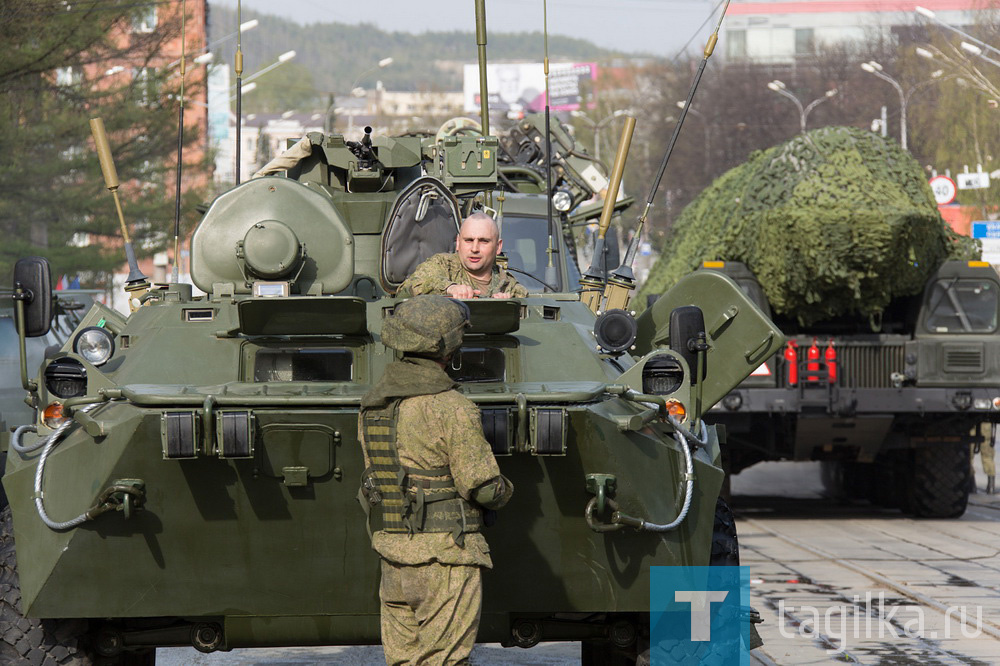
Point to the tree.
(62, 65)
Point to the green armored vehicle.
(191, 476)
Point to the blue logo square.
(695, 615)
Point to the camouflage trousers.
(430, 613)
(987, 451)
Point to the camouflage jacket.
(444, 430)
(437, 273)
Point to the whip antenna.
(174, 274)
(709, 47)
(550, 267)
(239, 84)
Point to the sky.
(658, 27)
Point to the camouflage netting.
(832, 222)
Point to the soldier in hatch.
(429, 475)
(470, 271)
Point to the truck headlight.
(94, 344)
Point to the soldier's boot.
(991, 485)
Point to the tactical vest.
(407, 499)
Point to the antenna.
(709, 47)
(174, 274)
(239, 85)
(135, 281)
(622, 280)
(550, 267)
(484, 105)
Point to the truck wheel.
(942, 479)
(33, 641)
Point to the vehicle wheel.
(36, 642)
(942, 480)
(602, 653)
(725, 545)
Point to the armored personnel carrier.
(192, 473)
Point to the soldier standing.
(471, 270)
(987, 453)
(429, 475)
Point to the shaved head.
(478, 243)
(482, 218)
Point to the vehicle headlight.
(562, 201)
(66, 378)
(95, 344)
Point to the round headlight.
(94, 344)
(562, 201)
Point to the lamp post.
(928, 14)
(704, 124)
(244, 27)
(975, 50)
(967, 73)
(873, 67)
(780, 88)
(598, 126)
(328, 116)
(282, 59)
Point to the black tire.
(603, 653)
(725, 544)
(44, 642)
(941, 482)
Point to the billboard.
(520, 87)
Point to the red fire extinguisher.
(792, 363)
(830, 356)
(812, 358)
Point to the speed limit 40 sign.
(944, 189)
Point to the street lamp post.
(976, 51)
(967, 73)
(598, 126)
(244, 27)
(282, 59)
(928, 14)
(873, 67)
(704, 124)
(780, 88)
(328, 117)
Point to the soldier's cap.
(426, 325)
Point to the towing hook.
(594, 522)
(125, 495)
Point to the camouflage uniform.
(987, 454)
(431, 589)
(436, 274)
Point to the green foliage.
(59, 68)
(832, 222)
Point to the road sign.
(986, 229)
(973, 181)
(944, 189)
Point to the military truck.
(891, 359)
(892, 414)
